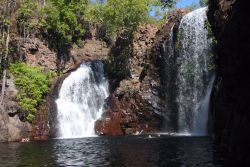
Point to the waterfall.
(194, 80)
(81, 100)
(186, 79)
(201, 120)
(168, 83)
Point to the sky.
(185, 3)
(180, 4)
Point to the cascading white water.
(81, 101)
(194, 80)
(201, 120)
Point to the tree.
(120, 15)
(5, 24)
(126, 14)
(26, 12)
(63, 21)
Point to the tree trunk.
(5, 65)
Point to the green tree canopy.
(64, 21)
(117, 14)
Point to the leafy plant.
(208, 27)
(63, 21)
(26, 12)
(119, 15)
(33, 84)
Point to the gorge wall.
(231, 97)
(137, 104)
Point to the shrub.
(27, 13)
(33, 84)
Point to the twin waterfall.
(190, 83)
(81, 100)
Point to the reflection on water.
(120, 151)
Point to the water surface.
(140, 151)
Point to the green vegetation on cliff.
(28, 17)
(119, 15)
(33, 84)
(63, 21)
(121, 19)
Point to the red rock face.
(109, 124)
(135, 106)
(40, 127)
(38, 54)
(127, 116)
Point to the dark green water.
(131, 151)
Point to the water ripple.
(134, 151)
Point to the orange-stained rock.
(110, 125)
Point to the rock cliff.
(230, 101)
(12, 125)
(137, 104)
